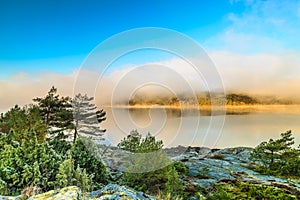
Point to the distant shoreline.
(255, 108)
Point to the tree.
(174, 185)
(150, 158)
(86, 155)
(68, 176)
(278, 156)
(134, 143)
(86, 117)
(56, 111)
(19, 119)
(26, 163)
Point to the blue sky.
(254, 43)
(56, 35)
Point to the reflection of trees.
(138, 113)
(173, 113)
(144, 112)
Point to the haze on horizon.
(254, 44)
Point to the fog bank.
(259, 75)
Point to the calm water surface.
(190, 127)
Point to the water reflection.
(177, 127)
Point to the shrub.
(164, 178)
(27, 164)
(248, 191)
(86, 155)
(68, 176)
(180, 167)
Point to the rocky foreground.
(206, 167)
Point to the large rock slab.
(208, 167)
(70, 193)
(109, 192)
(116, 192)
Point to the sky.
(35, 34)
(254, 44)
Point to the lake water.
(190, 127)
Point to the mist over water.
(258, 75)
(176, 127)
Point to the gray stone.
(10, 198)
(209, 167)
(115, 192)
(212, 168)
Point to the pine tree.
(278, 156)
(134, 143)
(19, 119)
(158, 172)
(67, 176)
(174, 185)
(56, 111)
(86, 117)
(27, 163)
(65, 173)
(86, 155)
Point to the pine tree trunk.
(75, 135)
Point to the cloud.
(264, 26)
(175, 76)
(21, 88)
(262, 73)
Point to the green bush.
(27, 164)
(68, 176)
(180, 167)
(86, 155)
(161, 176)
(248, 191)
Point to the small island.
(231, 103)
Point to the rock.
(109, 192)
(237, 154)
(114, 157)
(228, 165)
(215, 169)
(175, 151)
(115, 192)
(204, 151)
(71, 192)
(10, 198)
(181, 153)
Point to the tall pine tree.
(56, 111)
(86, 117)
